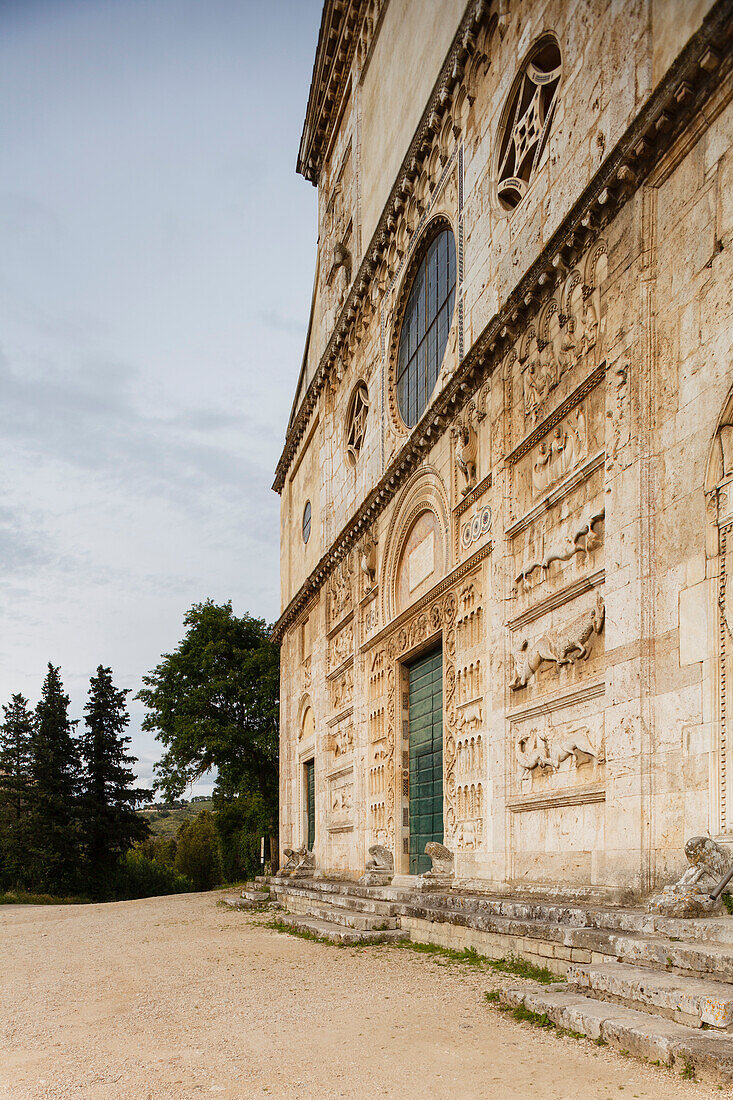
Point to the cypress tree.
(16, 732)
(110, 824)
(53, 826)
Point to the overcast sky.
(156, 264)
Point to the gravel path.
(171, 998)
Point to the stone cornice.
(678, 97)
(336, 41)
(439, 102)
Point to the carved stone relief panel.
(557, 650)
(342, 690)
(341, 739)
(469, 620)
(340, 591)
(341, 798)
(562, 451)
(369, 618)
(561, 543)
(341, 646)
(562, 343)
(562, 750)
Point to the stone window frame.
(307, 521)
(355, 424)
(522, 108)
(436, 225)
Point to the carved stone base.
(376, 878)
(685, 901)
(430, 881)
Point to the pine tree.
(110, 824)
(16, 733)
(53, 824)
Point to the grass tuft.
(688, 1070)
(469, 956)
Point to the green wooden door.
(426, 757)
(310, 788)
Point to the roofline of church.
(337, 37)
(439, 101)
(689, 83)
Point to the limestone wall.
(577, 577)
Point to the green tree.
(197, 851)
(53, 821)
(213, 703)
(109, 823)
(16, 732)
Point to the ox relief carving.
(546, 751)
(342, 690)
(563, 646)
(557, 455)
(585, 535)
(339, 591)
(341, 646)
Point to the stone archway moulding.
(425, 492)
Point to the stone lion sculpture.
(690, 895)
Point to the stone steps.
(353, 903)
(709, 1054)
(689, 1001)
(338, 933)
(587, 944)
(243, 903)
(335, 914)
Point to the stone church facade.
(507, 506)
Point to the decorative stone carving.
(339, 591)
(299, 862)
(557, 456)
(341, 646)
(443, 869)
(441, 615)
(584, 538)
(342, 740)
(466, 437)
(535, 750)
(526, 121)
(689, 896)
(564, 646)
(342, 690)
(368, 559)
(379, 869)
(476, 527)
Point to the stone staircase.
(255, 895)
(656, 987)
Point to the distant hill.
(165, 820)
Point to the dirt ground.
(177, 997)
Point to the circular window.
(425, 326)
(526, 122)
(307, 521)
(356, 422)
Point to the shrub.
(197, 854)
(138, 876)
(241, 822)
